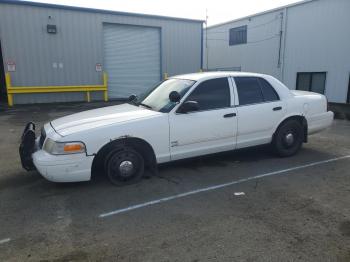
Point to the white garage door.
(132, 59)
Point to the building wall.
(78, 45)
(315, 39)
(260, 54)
(318, 39)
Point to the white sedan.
(183, 116)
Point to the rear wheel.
(288, 138)
(124, 166)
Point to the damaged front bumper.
(28, 146)
(55, 168)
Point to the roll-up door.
(131, 58)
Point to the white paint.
(211, 188)
(194, 133)
(5, 240)
(239, 194)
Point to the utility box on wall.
(51, 29)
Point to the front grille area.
(42, 138)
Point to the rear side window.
(268, 91)
(212, 94)
(249, 91)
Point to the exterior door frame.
(3, 90)
(348, 97)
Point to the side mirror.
(188, 106)
(132, 98)
(174, 97)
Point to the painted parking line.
(5, 240)
(215, 187)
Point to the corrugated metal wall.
(316, 39)
(69, 57)
(260, 54)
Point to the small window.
(238, 35)
(212, 94)
(314, 82)
(268, 91)
(249, 91)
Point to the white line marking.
(197, 191)
(5, 240)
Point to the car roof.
(208, 75)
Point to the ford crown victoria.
(182, 117)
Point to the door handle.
(277, 108)
(230, 115)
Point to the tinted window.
(268, 91)
(249, 91)
(211, 94)
(238, 35)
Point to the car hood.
(99, 117)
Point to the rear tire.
(288, 138)
(124, 166)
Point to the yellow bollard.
(88, 98)
(105, 84)
(105, 95)
(8, 85)
(166, 76)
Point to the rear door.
(259, 110)
(212, 128)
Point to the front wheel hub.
(126, 168)
(289, 139)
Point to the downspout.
(206, 39)
(280, 42)
(202, 46)
(284, 42)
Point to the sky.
(218, 10)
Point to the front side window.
(158, 98)
(249, 91)
(212, 94)
(314, 82)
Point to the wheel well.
(143, 147)
(301, 119)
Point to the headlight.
(63, 148)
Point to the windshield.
(158, 98)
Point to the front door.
(210, 129)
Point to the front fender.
(155, 131)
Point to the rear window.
(268, 91)
(249, 91)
